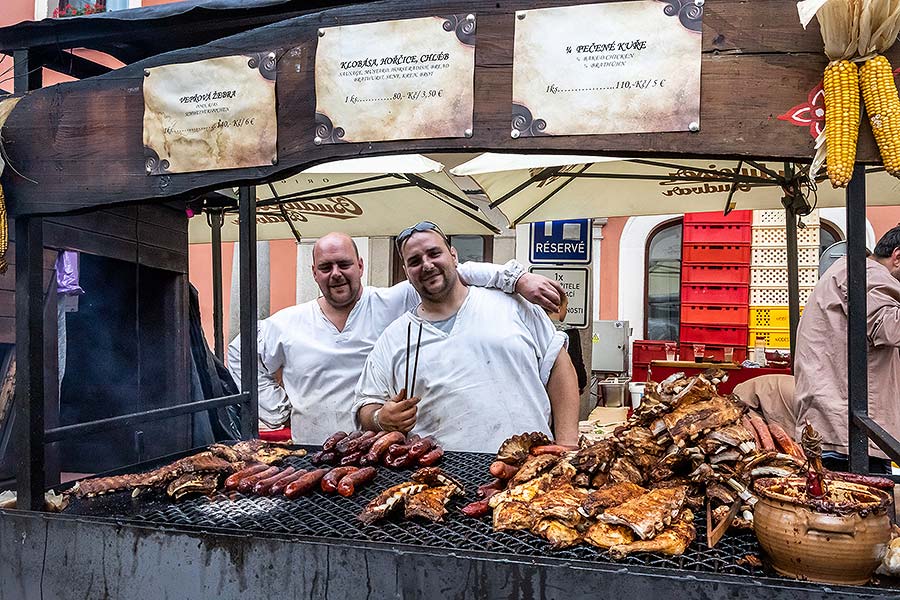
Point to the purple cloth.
(67, 273)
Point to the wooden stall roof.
(77, 146)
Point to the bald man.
(321, 346)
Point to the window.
(663, 278)
(828, 235)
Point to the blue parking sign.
(561, 242)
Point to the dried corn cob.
(876, 79)
(841, 85)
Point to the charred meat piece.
(430, 503)
(534, 466)
(388, 500)
(603, 535)
(561, 504)
(559, 534)
(193, 483)
(525, 492)
(648, 514)
(735, 435)
(255, 450)
(624, 469)
(689, 421)
(638, 440)
(673, 540)
(435, 477)
(512, 515)
(563, 473)
(596, 457)
(610, 495)
(515, 450)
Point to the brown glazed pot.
(840, 547)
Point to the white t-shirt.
(274, 408)
(321, 365)
(479, 384)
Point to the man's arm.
(512, 277)
(883, 314)
(274, 406)
(564, 400)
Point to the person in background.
(773, 396)
(483, 365)
(820, 365)
(574, 342)
(321, 346)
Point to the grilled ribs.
(647, 514)
(388, 500)
(673, 540)
(689, 421)
(610, 495)
(603, 535)
(430, 503)
(556, 532)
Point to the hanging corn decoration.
(841, 87)
(876, 79)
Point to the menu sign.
(396, 80)
(211, 114)
(618, 67)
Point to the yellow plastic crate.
(767, 317)
(776, 337)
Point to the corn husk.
(838, 23)
(879, 25)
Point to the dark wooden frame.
(664, 225)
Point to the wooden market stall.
(77, 148)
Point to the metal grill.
(334, 517)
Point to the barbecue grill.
(453, 546)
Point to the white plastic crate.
(776, 296)
(771, 256)
(775, 218)
(777, 236)
(778, 276)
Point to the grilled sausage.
(549, 449)
(351, 459)
(882, 483)
(350, 481)
(477, 509)
(489, 489)
(333, 439)
(380, 447)
(324, 458)
(233, 480)
(305, 484)
(418, 449)
(396, 450)
(353, 446)
(365, 445)
(279, 486)
(341, 446)
(264, 486)
(401, 461)
(431, 457)
(332, 478)
(501, 470)
(768, 444)
(246, 484)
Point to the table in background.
(660, 369)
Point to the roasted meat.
(534, 466)
(430, 503)
(515, 449)
(255, 450)
(388, 500)
(193, 483)
(435, 477)
(512, 514)
(673, 540)
(559, 534)
(690, 420)
(603, 535)
(524, 492)
(560, 503)
(648, 514)
(610, 495)
(624, 469)
(596, 457)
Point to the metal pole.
(793, 271)
(216, 218)
(857, 363)
(30, 361)
(247, 253)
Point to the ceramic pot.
(807, 544)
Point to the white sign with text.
(576, 281)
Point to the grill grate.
(334, 517)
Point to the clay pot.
(804, 543)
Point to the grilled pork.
(193, 483)
(513, 515)
(603, 535)
(560, 503)
(430, 503)
(388, 500)
(648, 514)
(689, 421)
(673, 540)
(534, 466)
(610, 495)
(557, 533)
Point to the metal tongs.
(411, 392)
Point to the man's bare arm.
(562, 387)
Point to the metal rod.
(247, 252)
(857, 360)
(71, 431)
(879, 435)
(793, 271)
(537, 205)
(216, 219)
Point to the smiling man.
(490, 365)
(321, 345)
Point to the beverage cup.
(729, 354)
(670, 351)
(699, 349)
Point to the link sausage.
(323, 458)
(332, 478)
(431, 457)
(351, 459)
(380, 447)
(341, 446)
(396, 450)
(264, 486)
(501, 470)
(333, 439)
(234, 479)
(305, 484)
(401, 461)
(477, 509)
(549, 449)
(246, 484)
(279, 486)
(350, 481)
(365, 445)
(418, 449)
(353, 446)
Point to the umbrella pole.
(216, 218)
(790, 220)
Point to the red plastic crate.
(639, 372)
(717, 353)
(714, 233)
(716, 253)
(715, 294)
(708, 314)
(643, 351)
(735, 217)
(722, 274)
(709, 334)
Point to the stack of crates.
(715, 282)
(769, 277)
(644, 351)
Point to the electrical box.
(609, 346)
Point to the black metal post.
(790, 220)
(30, 362)
(216, 218)
(247, 251)
(857, 360)
(27, 73)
